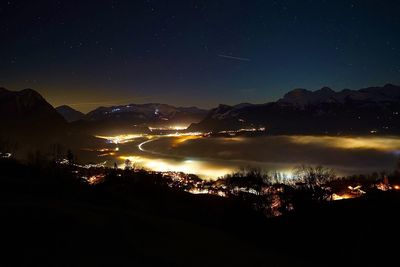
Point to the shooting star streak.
(235, 58)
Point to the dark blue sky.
(91, 53)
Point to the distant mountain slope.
(69, 113)
(136, 118)
(374, 109)
(27, 113)
(152, 113)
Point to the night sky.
(91, 53)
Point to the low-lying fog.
(212, 157)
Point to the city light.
(197, 167)
(233, 132)
(5, 155)
(121, 139)
(341, 197)
(169, 128)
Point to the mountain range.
(152, 113)
(131, 118)
(300, 111)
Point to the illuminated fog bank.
(386, 144)
(211, 157)
(201, 168)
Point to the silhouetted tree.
(3, 145)
(249, 179)
(397, 169)
(128, 164)
(8, 146)
(37, 159)
(312, 181)
(252, 186)
(56, 151)
(70, 157)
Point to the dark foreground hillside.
(48, 218)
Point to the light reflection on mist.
(386, 144)
(200, 168)
(211, 158)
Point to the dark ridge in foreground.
(50, 218)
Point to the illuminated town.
(95, 174)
